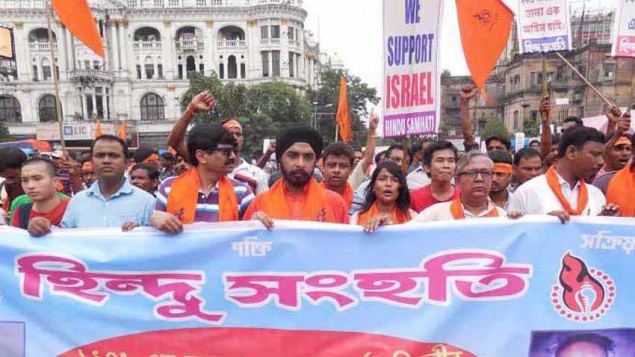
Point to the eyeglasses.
(473, 174)
(225, 151)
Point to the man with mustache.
(562, 191)
(111, 201)
(503, 170)
(298, 196)
(203, 193)
(474, 172)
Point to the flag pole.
(545, 89)
(595, 90)
(337, 132)
(58, 104)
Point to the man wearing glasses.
(474, 172)
(203, 193)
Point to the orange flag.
(343, 118)
(485, 26)
(98, 129)
(79, 20)
(123, 131)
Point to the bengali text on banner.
(543, 26)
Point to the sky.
(353, 30)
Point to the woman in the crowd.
(387, 199)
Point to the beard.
(296, 178)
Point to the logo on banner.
(582, 294)
(251, 247)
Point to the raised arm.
(369, 153)
(614, 115)
(622, 125)
(467, 93)
(545, 120)
(204, 101)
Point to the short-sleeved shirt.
(55, 216)
(90, 209)
(536, 197)
(422, 198)
(255, 177)
(207, 206)
(418, 178)
(441, 212)
(20, 200)
(602, 181)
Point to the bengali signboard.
(543, 26)
(411, 90)
(489, 287)
(624, 30)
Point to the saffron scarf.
(183, 198)
(275, 203)
(396, 217)
(621, 191)
(458, 213)
(347, 196)
(583, 193)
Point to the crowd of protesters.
(579, 172)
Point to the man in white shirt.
(474, 173)
(562, 191)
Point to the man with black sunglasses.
(474, 173)
(203, 193)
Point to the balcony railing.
(41, 46)
(189, 45)
(231, 44)
(146, 45)
(88, 75)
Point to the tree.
(263, 110)
(359, 96)
(495, 127)
(532, 128)
(4, 134)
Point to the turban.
(299, 135)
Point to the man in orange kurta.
(298, 196)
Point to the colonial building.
(515, 87)
(151, 46)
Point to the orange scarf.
(275, 203)
(396, 217)
(583, 195)
(621, 189)
(183, 198)
(347, 196)
(458, 213)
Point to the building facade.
(151, 46)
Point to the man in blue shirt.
(111, 201)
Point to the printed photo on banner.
(587, 343)
(12, 338)
(411, 67)
(624, 30)
(543, 26)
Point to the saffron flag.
(343, 118)
(485, 26)
(79, 20)
(98, 129)
(123, 131)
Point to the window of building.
(152, 107)
(160, 71)
(265, 64)
(47, 109)
(516, 120)
(96, 65)
(149, 69)
(221, 71)
(290, 33)
(138, 71)
(264, 32)
(232, 67)
(275, 31)
(201, 2)
(158, 3)
(132, 3)
(291, 64)
(243, 70)
(10, 109)
(35, 73)
(46, 69)
(201, 68)
(275, 60)
(174, 3)
(533, 115)
(86, 64)
(609, 71)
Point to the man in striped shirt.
(203, 193)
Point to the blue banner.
(477, 288)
